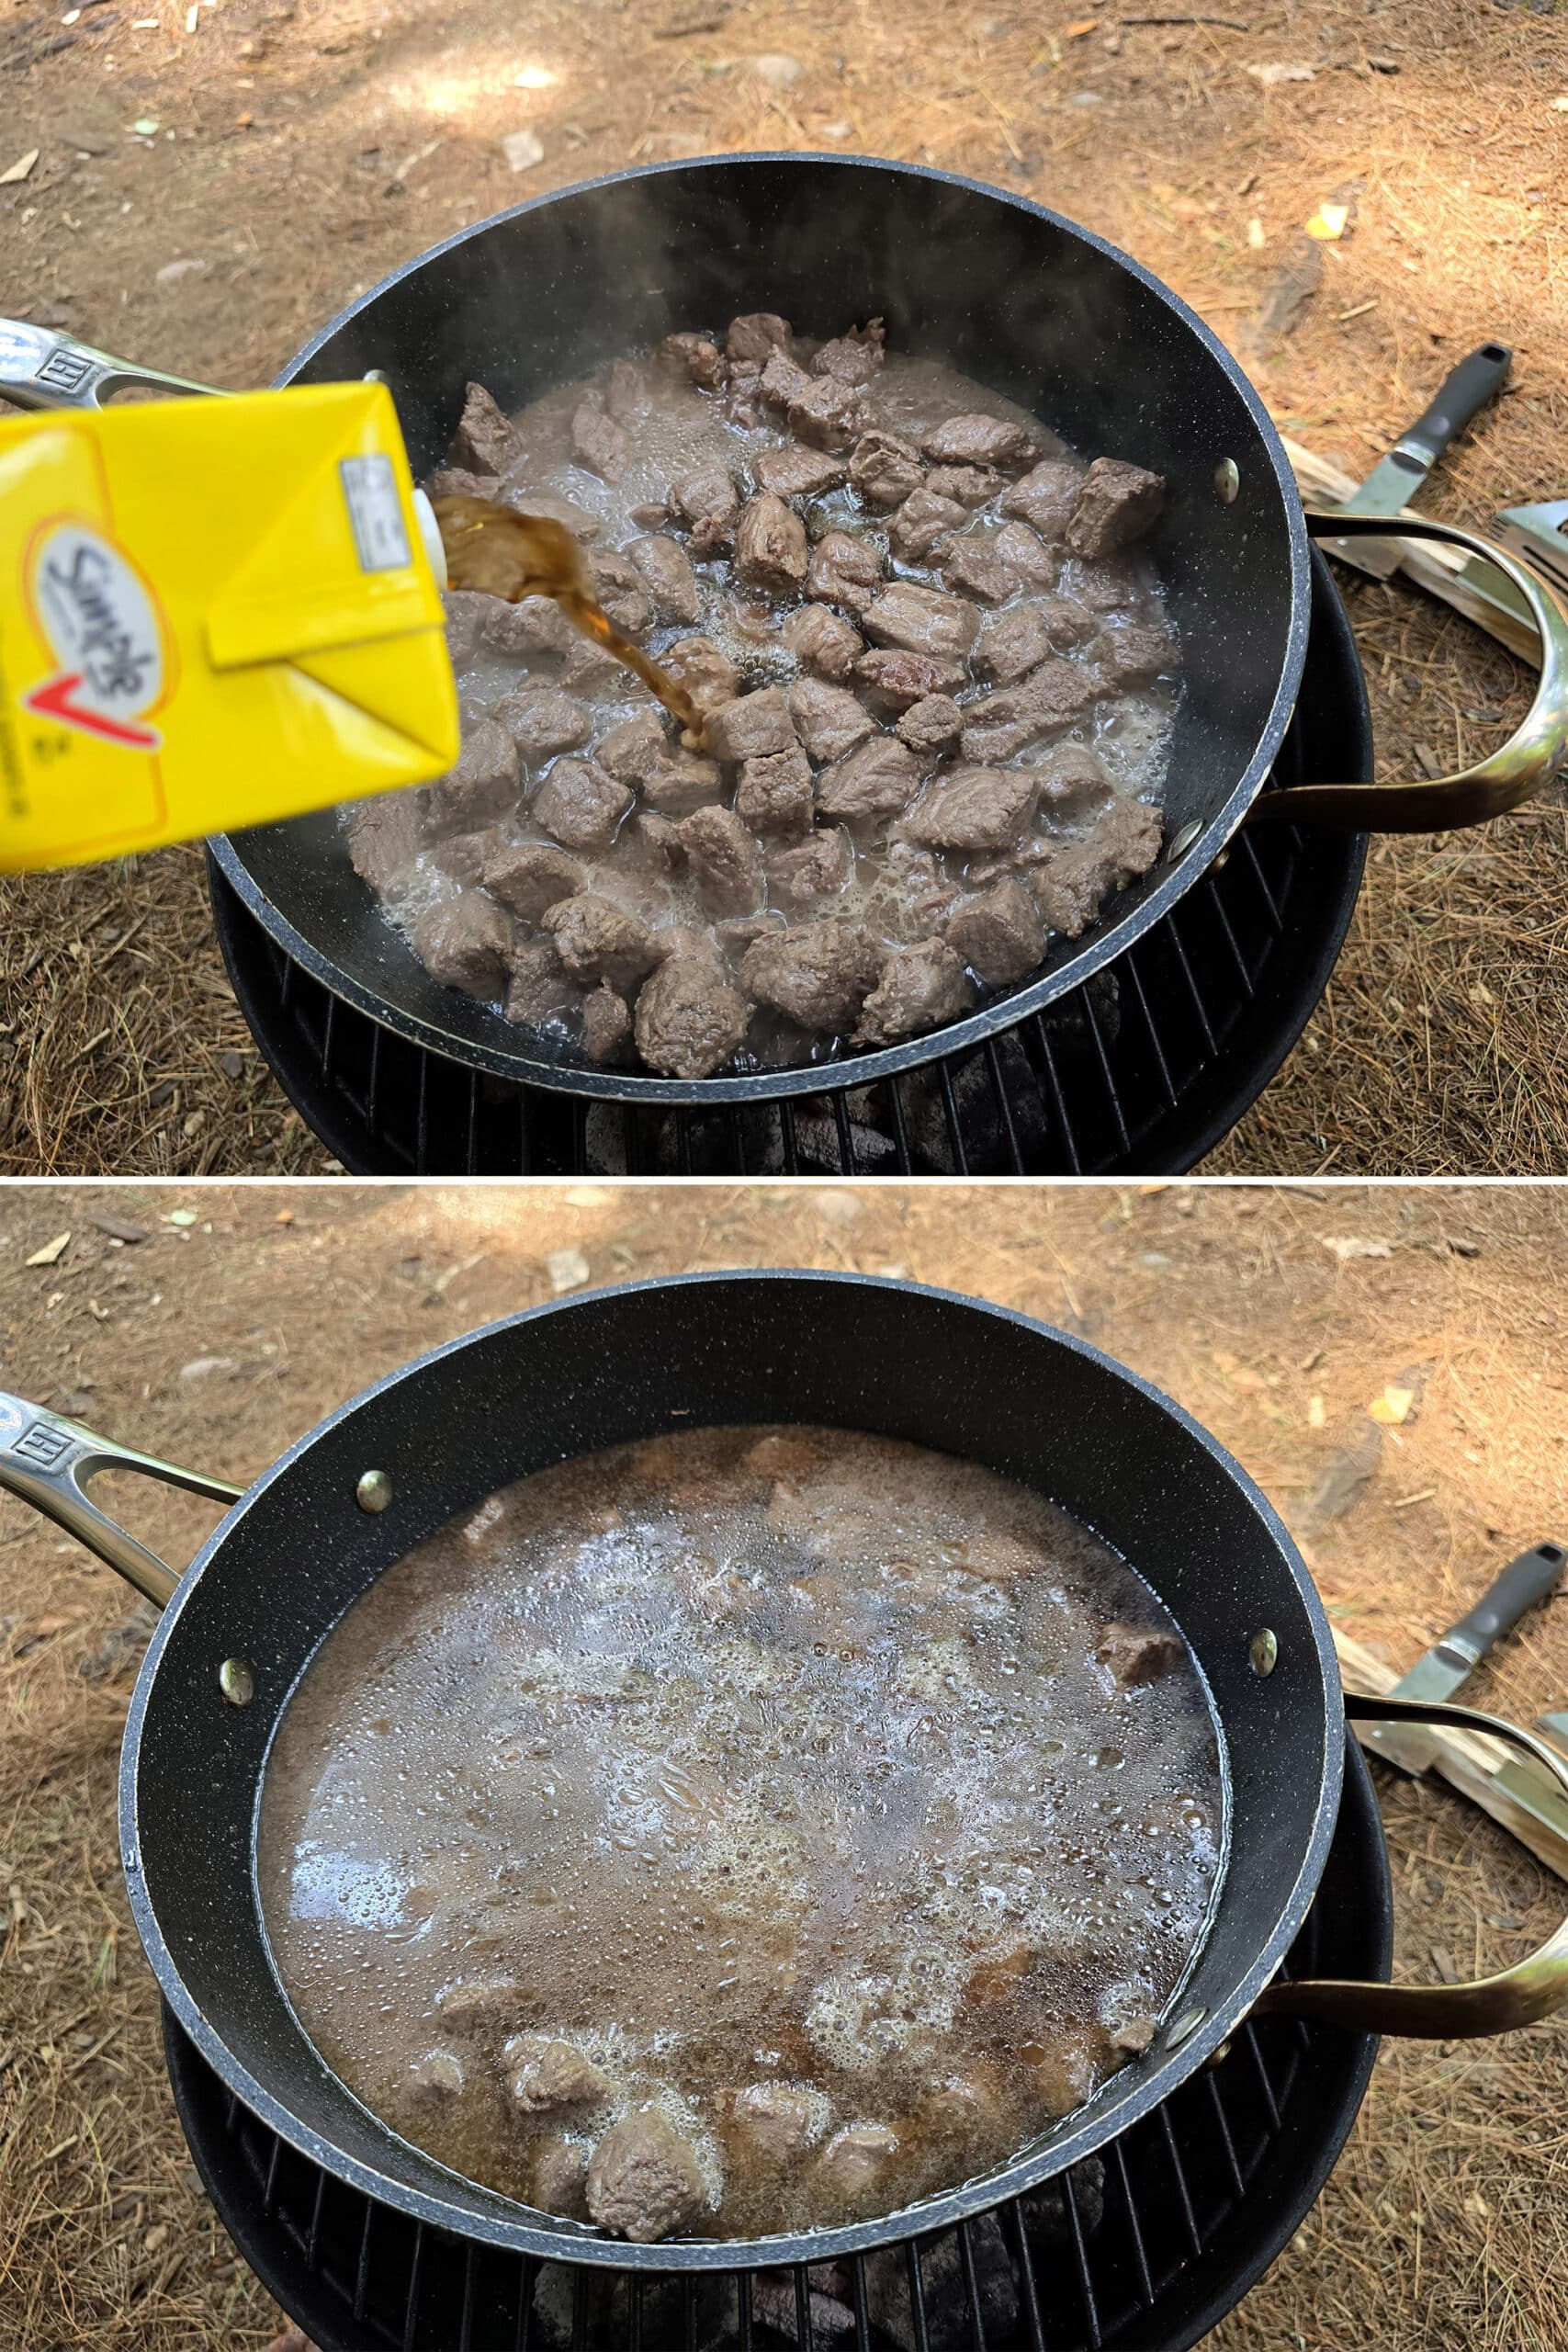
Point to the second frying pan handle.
(48, 1462)
(1532, 1988)
(1528, 759)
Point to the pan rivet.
(1185, 2026)
(1217, 2057)
(236, 1682)
(374, 1491)
(1264, 1651)
(1227, 481)
(1182, 840)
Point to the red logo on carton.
(104, 631)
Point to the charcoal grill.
(1142, 1069)
(1143, 2251)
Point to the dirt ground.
(246, 1313)
(211, 183)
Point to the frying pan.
(388, 1469)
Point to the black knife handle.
(1461, 396)
(1523, 1582)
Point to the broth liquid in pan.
(741, 1830)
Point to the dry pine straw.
(1444, 2227)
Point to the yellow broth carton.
(213, 613)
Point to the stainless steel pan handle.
(40, 369)
(1534, 1987)
(48, 1462)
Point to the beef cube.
(597, 941)
(488, 2003)
(756, 334)
(773, 2120)
(828, 414)
(1046, 498)
(878, 780)
(455, 481)
(966, 486)
(1072, 887)
(998, 935)
(1110, 586)
(486, 441)
(539, 986)
(816, 972)
(1072, 782)
(920, 620)
(607, 1028)
(975, 440)
(632, 750)
(644, 2180)
(932, 725)
(626, 396)
(709, 674)
(974, 809)
(1134, 655)
(463, 939)
(828, 722)
(599, 443)
(895, 681)
(852, 358)
(701, 360)
(531, 877)
(736, 935)
(1067, 2062)
(435, 2081)
(659, 841)
(681, 782)
(652, 515)
(465, 612)
(822, 867)
(667, 574)
(1025, 552)
(781, 380)
(921, 890)
(1056, 695)
(750, 726)
(690, 1021)
(618, 586)
(851, 2167)
(793, 472)
(1136, 1654)
(725, 859)
(921, 987)
(885, 469)
(463, 855)
(1012, 645)
(921, 522)
(972, 565)
(533, 628)
(774, 793)
(544, 2074)
(383, 837)
(542, 722)
(709, 501)
(844, 570)
(580, 806)
(770, 546)
(560, 2181)
(1117, 504)
(823, 642)
(744, 403)
(483, 785)
(572, 518)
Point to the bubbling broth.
(741, 1830)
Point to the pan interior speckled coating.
(1035, 308)
(929, 1366)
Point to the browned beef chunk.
(828, 414)
(709, 674)
(921, 892)
(659, 842)
(774, 793)
(921, 522)
(667, 574)
(644, 2181)
(773, 2119)
(1136, 1654)
(466, 611)
(756, 334)
(595, 941)
(1047, 497)
(1012, 645)
(725, 859)
(633, 750)
(539, 985)
(533, 628)
(782, 382)
(599, 443)
(976, 808)
(483, 785)
(455, 481)
(828, 722)
(853, 2163)
(821, 868)
(894, 681)
(878, 780)
(543, 721)
(886, 469)
(531, 877)
(1072, 782)
(823, 642)
(626, 395)
(709, 501)
(436, 2080)
(976, 440)
(998, 935)
(1117, 504)
(463, 855)
(967, 486)
(544, 2074)
(1072, 887)
(652, 515)
(619, 588)
(932, 725)
(852, 358)
(921, 620)
(921, 987)
(736, 935)
(743, 401)
(1111, 585)
(587, 667)
(817, 973)
(484, 2004)
(971, 565)
(1134, 655)
(463, 939)
(680, 782)
(844, 570)
(485, 439)
(770, 546)
(793, 472)
(750, 726)
(384, 837)
(560, 2177)
(573, 518)
(1056, 695)
(702, 360)
(689, 1018)
(580, 806)
(1025, 552)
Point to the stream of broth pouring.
(504, 553)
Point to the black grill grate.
(1142, 2250)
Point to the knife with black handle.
(1455, 1655)
(1394, 479)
